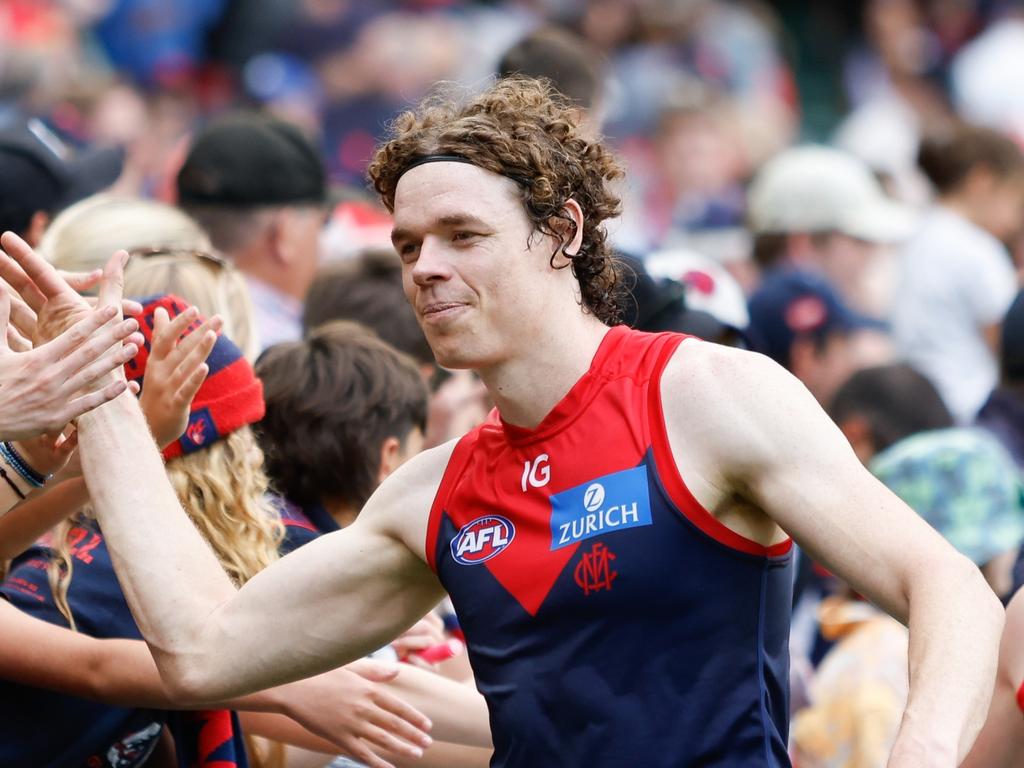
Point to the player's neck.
(526, 388)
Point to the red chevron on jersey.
(540, 479)
(529, 533)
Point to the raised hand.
(22, 326)
(175, 370)
(43, 389)
(55, 303)
(349, 708)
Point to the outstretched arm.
(330, 602)
(31, 519)
(765, 440)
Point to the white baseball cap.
(818, 189)
(707, 284)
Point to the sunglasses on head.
(147, 252)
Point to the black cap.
(39, 172)
(247, 159)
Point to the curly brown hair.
(524, 130)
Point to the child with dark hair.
(959, 480)
(344, 411)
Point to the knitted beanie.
(231, 396)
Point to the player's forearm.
(170, 577)
(955, 625)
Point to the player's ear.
(573, 237)
(568, 229)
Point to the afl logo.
(482, 539)
(593, 497)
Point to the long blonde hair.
(170, 254)
(223, 489)
(82, 237)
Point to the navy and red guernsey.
(611, 621)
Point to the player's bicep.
(807, 478)
(325, 604)
(764, 437)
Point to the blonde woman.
(82, 237)
(216, 469)
(170, 254)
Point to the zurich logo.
(482, 539)
(593, 497)
(607, 504)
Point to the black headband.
(424, 159)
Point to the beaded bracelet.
(19, 465)
(10, 482)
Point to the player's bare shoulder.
(401, 504)
(702, 369)
(729, 403)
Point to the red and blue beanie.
(230, 398)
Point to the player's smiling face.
(474, 269)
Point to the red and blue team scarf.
(208, 739)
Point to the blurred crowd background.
(838, 185)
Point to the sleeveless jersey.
(610, 619)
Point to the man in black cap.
(258, 187)
(39, 175)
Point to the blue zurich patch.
(606, 504)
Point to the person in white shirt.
(957, 278)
